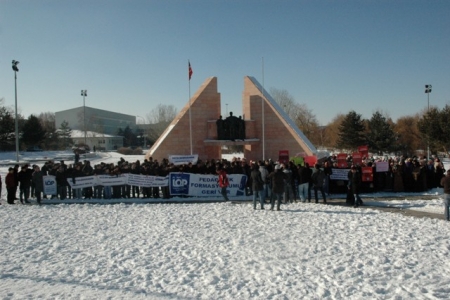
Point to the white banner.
(147, 180)
(339, 174)
(382, 166)
(122, 179)
(82, 182)
(205, 185)
(49, 185)
(183, 159)
(108, 180)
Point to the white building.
(86, 118)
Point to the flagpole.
(190, 117)
(262, 109)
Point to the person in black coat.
(61, 182)
(318, 179)
(277, 178)
(355, 185)
(257, 186)
(77, 173)
(24, 178)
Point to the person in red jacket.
(223, 181)
(10, 182)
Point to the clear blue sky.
(334, 56)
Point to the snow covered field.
(221, 250)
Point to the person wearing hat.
(445, 182)
(277, 178)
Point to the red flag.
(190, 71)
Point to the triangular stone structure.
(280, 131)
(203, 106)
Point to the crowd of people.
(267, 180)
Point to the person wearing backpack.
(318, 178)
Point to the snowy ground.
(221, 250)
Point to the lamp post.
(428, 91)
(226, 111)
(16, 69)
(84, 94)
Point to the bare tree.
(160, 117)
(331, 133)
(409, 136)
(285, 101)
(162, 113)
(47, 120)
(303, 117)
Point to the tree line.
(428, 128)
(40, 130)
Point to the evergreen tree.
(33, 132)
(65, 134)
(381, 136)
(445, 127)
(435, 128)
(129, 138)
(351, 132)
(7, 129)
(430, 128)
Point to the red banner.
(364, 150)
(357, 158)
(283, 156)
(342, 160)
(367, 174)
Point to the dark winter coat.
(257, 182)
(355, 182)
(304, 175)
(38, 181)
(318, 178)
(277, 177)
(24, 177)
(61, 178)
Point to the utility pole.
(428, 91)
(16, 69)
(84, 94)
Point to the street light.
(16, 69)
(84, 94)
(428, 91)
